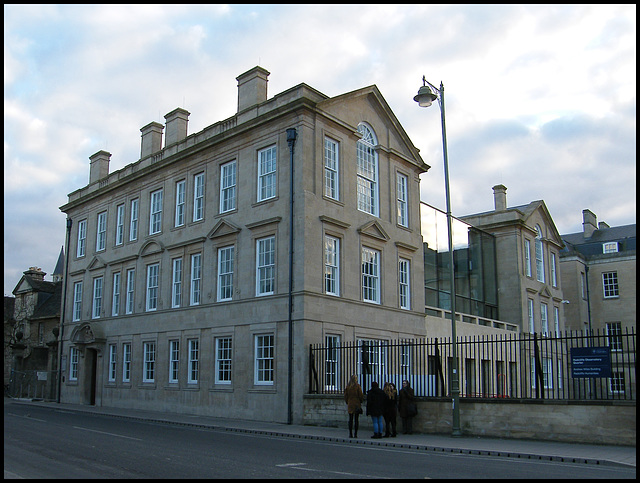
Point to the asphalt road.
(53, 443)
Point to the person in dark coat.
(406, 400)
(390, 409)
(353, 396)
(375, 408)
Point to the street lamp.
(425, 97)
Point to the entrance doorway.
(91, 360)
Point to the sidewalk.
(514, 448)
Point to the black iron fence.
(569, 366)
(32, 384)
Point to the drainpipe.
(291, 141)
(64, 305)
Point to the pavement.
(512, 448)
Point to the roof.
(625, 236)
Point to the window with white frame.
(119, 224)
(82, 238)
(176, 283)
(73, 364)
(556, 321)
(225, 273)
(332, 362)
(174, 360)
(77, 301)
(181, 187)
(614, 336)
(367, 171)
(370, 275)
(527, 258)
(532, 327)
(112, 363)
(539, 255)
(544, 320)
(224, 353)
(131, 280)
(264, 359)
(610, 284)
(616, 381)
(155, 215)
(331, 265)
(402, 187)
(331, 160)
(198, 197)
(152, 286)
(149, 362)
(610, 247)
(126, 362)
(267, 165)
(554, 276)
(194, 350)
(372, 357)
(196, 275)
(101, 231)
(133, 224)
(115, 301)
(265, 265)
(228, 187)
(97, 297)
(403, 282)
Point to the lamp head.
(425, 96)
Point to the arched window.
(539, 255)
(367, 171)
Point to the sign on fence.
(590, 362)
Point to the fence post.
(539, 379)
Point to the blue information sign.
(590, 362)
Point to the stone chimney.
(602, 225)
(35, 273)
(252, 88)
(589, 223)
(500, 197)
(176, 122)
(99, 166)
(151, 139)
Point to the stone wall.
(601, 422)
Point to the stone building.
(528, 255)
(200, 274)
(31, 332)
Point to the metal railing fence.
(524, 366)
(32, 384)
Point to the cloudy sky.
(539, 98)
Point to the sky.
(539, 98)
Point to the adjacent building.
(527, 246)
(200, 274)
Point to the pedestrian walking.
(390, 409)
(353, 396)
(407, 407)
(375, 408)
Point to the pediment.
(150, 248)
(23, 286)
(96, 263)
(87, 333)
(223, 228)
(374, 230)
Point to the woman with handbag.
(407, 407)
(353, 396)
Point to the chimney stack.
(176, 122)
(151, 139)
(35, 273)
(252, 88)
(500, 197)
(589, 223)
(99, 166)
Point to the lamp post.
(425, 97)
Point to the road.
(43, 442)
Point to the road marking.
(26, 416)
(104, 432)
(299, 466)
